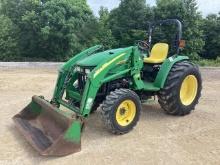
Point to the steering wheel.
(143, 45)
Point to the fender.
(165, 69)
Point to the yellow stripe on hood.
(107, 64)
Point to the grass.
(210, 63)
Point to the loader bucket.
(48, 130)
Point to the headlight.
(77, 69)
(87, 71)
(82, 70)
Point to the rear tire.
(120, 111)
(182, 89)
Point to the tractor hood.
(97, 58)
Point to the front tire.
(182, 89)
(121, 111)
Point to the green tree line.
(55, 30)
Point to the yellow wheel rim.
(125, 112)
(188, 90)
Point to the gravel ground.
(157, 139)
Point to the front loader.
(117, 81)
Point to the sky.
(205, 6)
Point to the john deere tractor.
(117, 81)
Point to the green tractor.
(117, 81)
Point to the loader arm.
(65, 70)
(48, 129)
